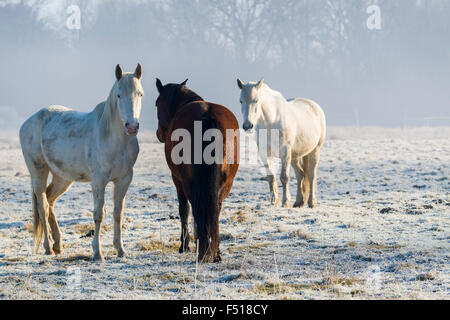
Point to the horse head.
(250, 103)
(171, 97)
(128, 95)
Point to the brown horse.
(204, 185)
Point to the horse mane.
(275, 92)
(179, 96)
(104, 111)
(190, 95)
(98, 111)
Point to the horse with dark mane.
(204, 183)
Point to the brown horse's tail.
(205, 203)
(37, 225)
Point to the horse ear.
(260, 83)
(159, 85)
(184, 82)
(240, 84)
(138, 71)
(118, 72)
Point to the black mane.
(178, 96)
(190, 95)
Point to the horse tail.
(37, 225)
(205, 202)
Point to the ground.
(381, 230)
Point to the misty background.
(321, 49)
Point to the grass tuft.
(301, 234)
(240, 216)
(87, 229)
(156, 245)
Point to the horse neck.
(188, 97)
(271, 106)
(184, 99)
(110, 127)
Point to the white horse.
(97, 147)
(302, 129)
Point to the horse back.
(55, 137)
(309, 119)
(308, 105)
(222, 119)
(198, 110)
(185, 118)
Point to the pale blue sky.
(309, 48)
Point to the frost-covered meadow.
(382, 229)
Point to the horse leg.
(313, 159)
(183, 209)
(223, 193)
(296, 164)
(271, 179)
(41, 206)
(267, 160)
(57, 188)
(98, 192)
(285, 167)
(120, 190)
(268, 164)
(306, 183)
(218, 257)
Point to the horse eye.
(118, 96)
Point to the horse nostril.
(247, 126)
(127, 125)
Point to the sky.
(367, 63)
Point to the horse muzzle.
(132, 129)
(248, 126)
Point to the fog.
(389, 70)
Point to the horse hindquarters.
(30, 134)
(205, 204)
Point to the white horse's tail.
(37, 225)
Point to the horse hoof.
(183, 249)
(98, 258)
(49, 252)
(121, 253)
(57, 250)
(299, 205)
(218, 259)
(312, 204)
(274, 201)
(287, 205)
